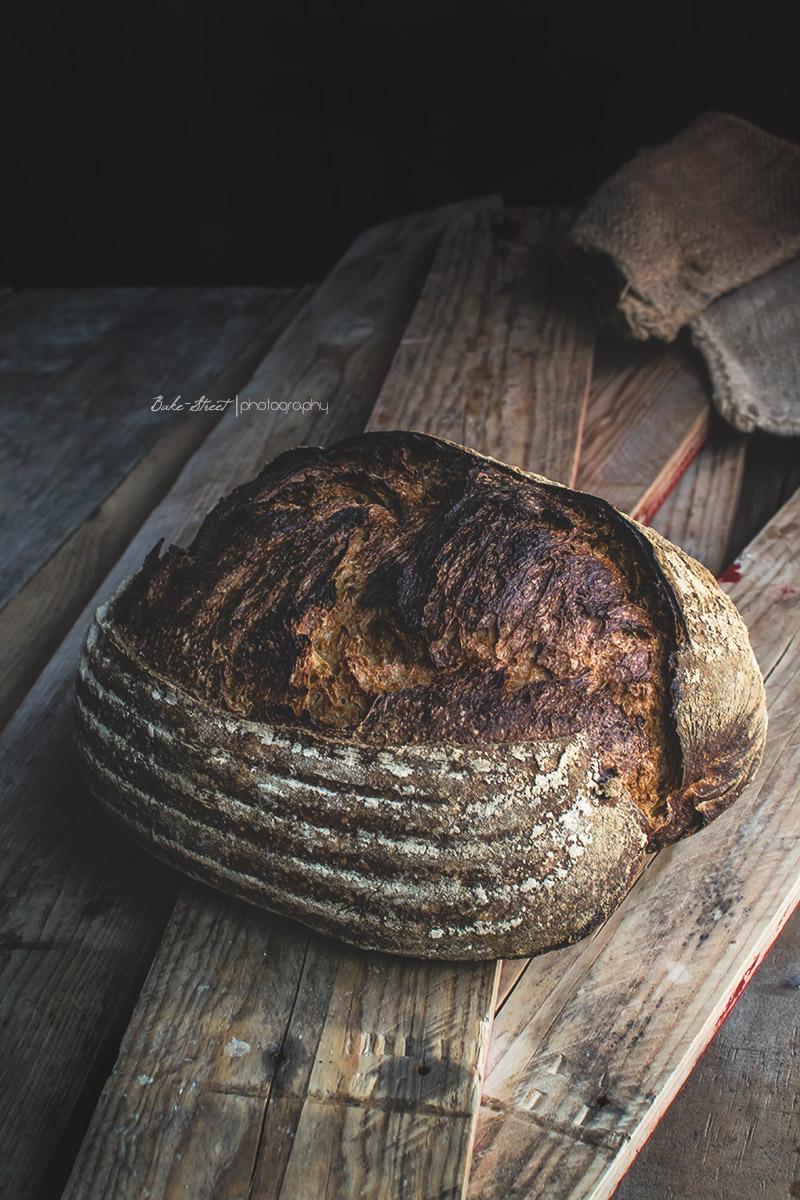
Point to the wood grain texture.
(497, 355)
(203, 1083)
(80, 369)
(69, 881)
(731, 1130)
(587, 1054)
(648, 415)
(237, 1075)
(700, 512)
(35, 620)
(387, 1105)
(771, 476)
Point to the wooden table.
(162, 1041)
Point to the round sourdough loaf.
(418, 699)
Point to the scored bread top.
(419, 700)
(398, 589)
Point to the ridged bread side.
(432, 850)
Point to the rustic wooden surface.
(80, 369)
(732, 1128)
(700, 513)
(84, 911)
(583, 1064)
(264, 1056)
(261, 1060)
(650, 414)
(37, 617)
(497, 355)
(382, 1062)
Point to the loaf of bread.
(418, 699)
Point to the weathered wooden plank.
(498, 353)
(771, 476)
(83, 909)
(584, 1064)
(699, 513)
(376, 1110)
(35, 620)
(236, 1042)
(204, 1082)
(379, 1092)
(748, 1077)
(732, 1130)
(79, 371)
(648, 415)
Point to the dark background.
(212, 144)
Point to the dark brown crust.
(438, 792)
(401, 589)
(718, 698)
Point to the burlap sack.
(750, 339)
(682, 224)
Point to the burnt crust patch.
(398, 589)
(419, 700)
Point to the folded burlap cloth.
(750, 339)
(683, 224)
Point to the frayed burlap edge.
(672, 248)
(750, 339)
